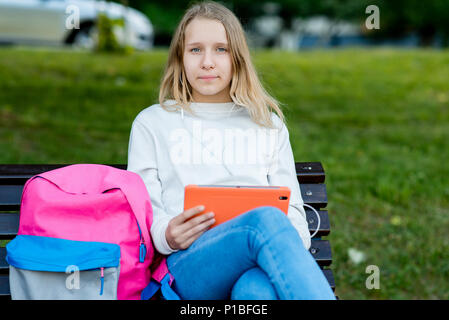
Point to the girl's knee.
(267, 218)
(253, 285)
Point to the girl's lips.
(208, 78)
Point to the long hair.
(246, 90)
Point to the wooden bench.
(310, 176)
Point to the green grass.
(378, 120)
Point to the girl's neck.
(221, 97)
(211, 100)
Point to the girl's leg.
(253, 285)
(264, 238)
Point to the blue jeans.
(257, 255)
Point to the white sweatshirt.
(219, 145)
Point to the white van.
(72, 22)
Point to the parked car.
(45, 22)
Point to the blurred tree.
(397, 17)
(429, 18)
(164, 16)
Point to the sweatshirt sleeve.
(282, 172)
(142, 160)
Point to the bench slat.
(9, 225)
(306, 172)
(4, 266)
(312, 194)
(312, 221)
(310, 172)
(10, 196)
(330, 277)
(10, 171)
(4, 286)
(321, 252)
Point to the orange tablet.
(228, 202)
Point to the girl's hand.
(181, 233)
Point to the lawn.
(378, 120)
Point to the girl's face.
(207, 61)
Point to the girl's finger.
(204, 223)
(191, 223)
(191, 212)
(196, 232)
(182, 217)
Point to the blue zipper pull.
(142, 247)
(143, 251)
(101, 280)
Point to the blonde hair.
(245, 90)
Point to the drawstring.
(229, 113)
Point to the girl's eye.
(197, 50)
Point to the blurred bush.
(107, 40)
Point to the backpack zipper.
(142, 246)
(101, 280)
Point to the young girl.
(210, 97)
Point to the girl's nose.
(207, 62)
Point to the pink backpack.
(90, 218)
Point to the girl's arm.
(283, 173)
(142, 160)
